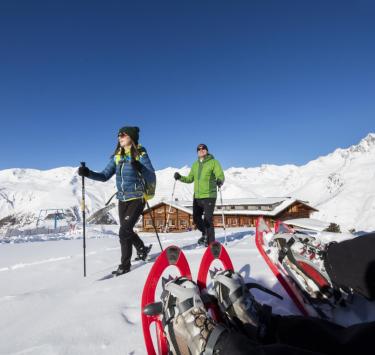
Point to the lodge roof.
(275, 204)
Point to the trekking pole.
(222, 215)
(154, 225)
(149, 208)
(170, 209)
(83, 209)
(147, 204)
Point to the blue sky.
(257, 81)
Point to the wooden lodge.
(237, 213)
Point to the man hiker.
(136, 182)
(207, 174)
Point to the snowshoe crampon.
(215, 251)
(172, 256)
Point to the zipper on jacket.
(199, 172)
(122, 178)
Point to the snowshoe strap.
(172, 336)
(189, 303)
(207, 298)
(213, 338)
(169, 310)
(233, 297)
(185, 305)
(285, 247)
(251, 285)
(182, 306)
(236, 294)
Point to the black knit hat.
(202, 146)
(132, 132)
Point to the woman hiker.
(136, 182)
(206, 172)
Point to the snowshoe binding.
(121, 270)
(238, 304)
(142, 253)
(188, 327)
(203, 240)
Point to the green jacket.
(204, 174)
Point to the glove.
(177, 176)
(219, 183)
(136, 165)
(83, 171)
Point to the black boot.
(203, 240)
(143, 252)
(121, 270)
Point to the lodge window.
(232, 221)
(148, 222)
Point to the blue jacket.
(129, 183)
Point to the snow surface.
(48, 307)
(340, 185)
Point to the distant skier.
(136, 182)
(207, 174)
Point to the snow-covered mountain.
(341, 185)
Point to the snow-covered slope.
(341, 185)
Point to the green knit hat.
(132, 132)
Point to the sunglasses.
(122, 135)
(201, 148)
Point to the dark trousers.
(129, 212)
(204, 206)
(302, 335)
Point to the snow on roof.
(174, 204)
(308, 223)
(283, 204)
(243, 201)
(279, 208)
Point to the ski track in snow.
(50, 260)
